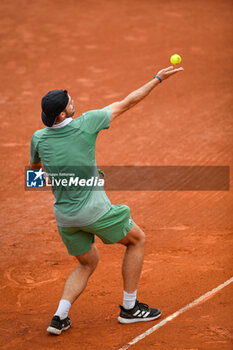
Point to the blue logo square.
(35, 178)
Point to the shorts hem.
(83, 252)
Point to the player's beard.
(70, 115)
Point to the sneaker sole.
(123, 320)
(56, 331)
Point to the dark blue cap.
(52, 104)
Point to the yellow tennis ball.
(175, 59)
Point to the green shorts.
(110, 228)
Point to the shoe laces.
(142, 306)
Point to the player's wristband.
(101, 172)
(156, 76)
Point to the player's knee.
(93, 262)
(90, 259)
(137, 237)
(93, 265)
(141, 237)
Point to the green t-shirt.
(66, 150)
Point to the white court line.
(177, 313)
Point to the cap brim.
(48, 121)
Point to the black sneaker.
(139, 313)
(57, 325)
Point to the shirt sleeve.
(96, 120)
(34, 156)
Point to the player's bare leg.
(74, 286)
(133, 258)
(77, 280)
(132, 311)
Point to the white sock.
(63, 309)
(129, 299)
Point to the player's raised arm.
(136, 96)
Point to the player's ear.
(62, 115)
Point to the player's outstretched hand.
(167, 72)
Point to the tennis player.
(83, 213)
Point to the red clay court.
(100, 51)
